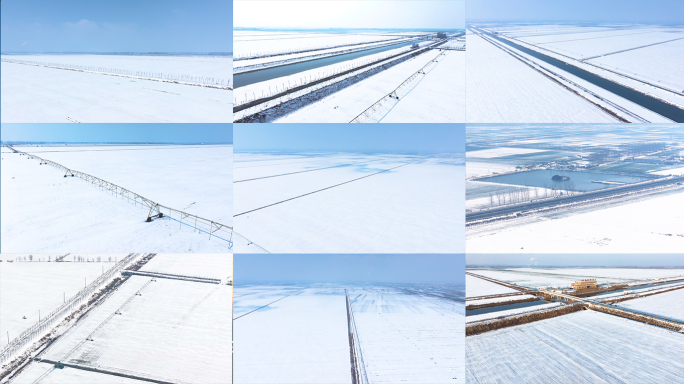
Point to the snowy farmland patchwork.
(585, 334)
(309, 333)
(580, 347)
(348, 202)
(49, 212)
(538, 189)
(116, 88)
(168, 328)
(587, 74)
(352, 76)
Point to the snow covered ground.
(299, 334)
(669, 304)
(586, 346)
(502, 89)
(412, 205)
(439, 97)
(42, 211)
(648, 224)
(500, 152)
(301, 338)
(195, 179)
(660, 64)
(563, 277)
(36, 94)
(585, 44)
(191, 65)
(212, 266)
(409, 338)
(480, 287)
(29, 287)
(184, 325)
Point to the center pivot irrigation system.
(157, 211)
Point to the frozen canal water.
(578, 181)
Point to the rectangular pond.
(577, 180)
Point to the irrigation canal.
(660, 107)
(590, 298)
(252, 77)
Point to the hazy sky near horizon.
(160, 133)
(116, 26)
(327, 268)
(572, 260)
(442, 138)
(307, 14)
(623, 11)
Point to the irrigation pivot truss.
(382, 107)
(156, 210)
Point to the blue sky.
(588, 260)
(351, 137)
(116, 26)
(164, 133)
(307, 14)
(631, 11)
(315, 268)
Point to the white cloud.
(82, 25)
(24, 43)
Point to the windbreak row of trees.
(76, 259)
(503, 197)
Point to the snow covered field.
(213, 266)
(348, 202)
(299, 334)
(37, 94)
(32, 286)
(301, 338)
(669, 304)
(409, 338)
(562, 277)
(439, 97)
(502, 89)
(586, 346)
(480, 287)
(648, 224)
(184, 325)
(195, 179)
(42, 211)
